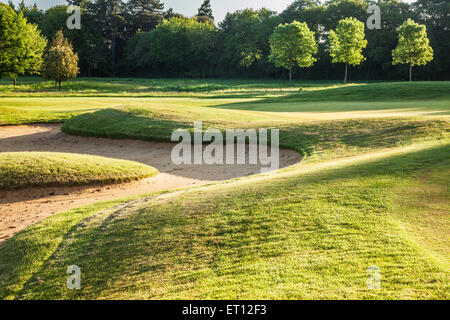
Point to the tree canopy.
(347, 43)
(413, 46)
(114, 39)
(293, 45)
(60, 62)
(244, 36)
(183, 45)
(205, 10)
(21, 45)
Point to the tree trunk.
(56, 84)
(59, 85)
(346, 73)
(410, 72)
(290, 75)
(15, 81)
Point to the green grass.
(254, 101)
(30, 248)
(318, 139)
(312, 233)
(373, 189)
(155, 87)
(32, 169)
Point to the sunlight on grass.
(372, 189)
(310, 235)
(28, 169)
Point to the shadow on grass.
(49, 138)
(119, 124)
(305, 138)
(179, 243)
(135, 85)
(378, 96)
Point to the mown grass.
(373, 189)
(319, 139)
(135, 86)
(32, 247)
(316, 102)
(11, 116)
(309, 233)
(32, 169)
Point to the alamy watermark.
(74, 280)
(229, 149)
(74, 20)
(374, 280)
(374, 21)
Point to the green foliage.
(244, 36)
(293, 45)
(205, 10)
(138, 55)
(241, 47)
(88, 42)
(183, 44)
(338, 10)
(347, 42)
(53, 20)
(309, 11)
(21, 45)
(60, 62)
(382, 41)
(413, 45)
(32, 13)
(35, 44)
(143, 15)
(435, 15)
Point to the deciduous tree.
(183, 45)
(244, 36)
(413, 46)
(144, 15)
(347, 43)
(293, 45)
(21, 45)
(60, 62)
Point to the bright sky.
(189, 7)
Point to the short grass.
(157, 87)
(240, 101)
(373, 189)
(31, 169)
(309, 233)
(318, 139)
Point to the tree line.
(141, 38)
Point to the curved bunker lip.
(22, 208)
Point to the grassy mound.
(32, 169)
(324, 139)
(307, 233)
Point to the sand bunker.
(20, 209)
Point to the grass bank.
(310, 232)
(316, 140)
(33, 169)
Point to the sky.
(189, 7)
